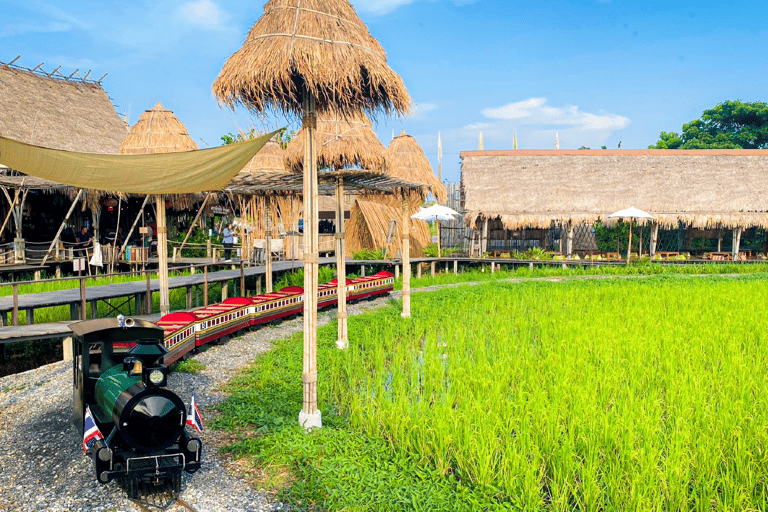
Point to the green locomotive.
(133, 426)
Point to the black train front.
(133, 426)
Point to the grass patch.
(192, 366)
(582, 395)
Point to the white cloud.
(537, 124)
(421, 109)
(202, 13)
(534, 111)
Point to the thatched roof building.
(534, 189)
(71, 115)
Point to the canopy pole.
(135, 222)
(310, 416)
(61, 228)
(162, 255)
(406, 260)
(341, 267)
(629, 245)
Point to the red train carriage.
(186, 330)
(219, 320)
(180, 335)
(276, 305)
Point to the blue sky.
(593, 71)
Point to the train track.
(186, 506)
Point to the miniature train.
(185, 331)
(121, 372)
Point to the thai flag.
(194, 419)
(91, 431)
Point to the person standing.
(229, 239)
(84, 240)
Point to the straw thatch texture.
(317, 45)
(341, 143)
(58, 114)
(406, 160)
(157, 131)
(368, 226)
(701, 188)
(267, 165)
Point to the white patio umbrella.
(632, 214)
(437, 213)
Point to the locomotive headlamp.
(156, 377)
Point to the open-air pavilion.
(713, 190)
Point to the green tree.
(283, 137)
(730, 125)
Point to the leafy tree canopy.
(283, 137)
(730, 125)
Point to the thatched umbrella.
(158, 131)
(342, 143)
(406, 159)
(303, 57)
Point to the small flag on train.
(194, 419)
(91, 432)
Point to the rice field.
(579, 395)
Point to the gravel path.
(42, 466)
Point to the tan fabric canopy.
(171, 173)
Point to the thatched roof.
(406, 160)
(58, 114)
(317, 45)
(701, 188)
(341, 143)
(157, 131)
(368, 226)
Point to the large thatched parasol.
(342, 143)
(303, 57)
(158, 131)
(406, 159)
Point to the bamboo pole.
(629, 245)
(406, 260)
(736, 243)
(654, 238)
(162, 255)
(61, 228)
(136, 221)
(310, 416)
(13, 203)
(192, 226)
(268, 260)
(117, 230)
(341, 268)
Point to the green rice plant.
(579, 395)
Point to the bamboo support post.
(341, 268)
(736, 243)
(192, 226)
(82, 298)
(310, 416)
(397, 271)
(55, 242)
(15, 312)
(224, 290)
(654, 238)
(133, 226)
(569, 245)
(162, 255)
(268, 260)
(418, 271)
(629, 245)
(242, 279)
(205, 285)
(189, 297)
(148, 295)
(406, 261)
(432, 269)
(455, 266)
(114, 240)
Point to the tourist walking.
(229, 239)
